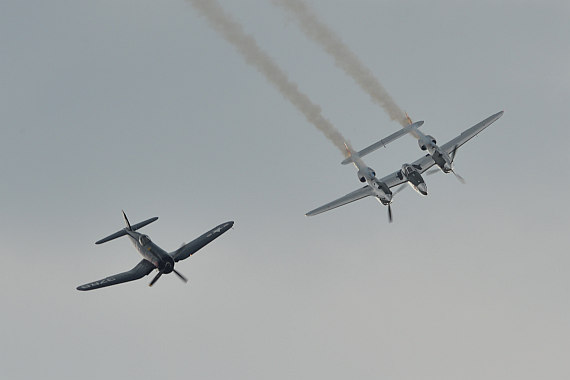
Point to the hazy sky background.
(141, 106)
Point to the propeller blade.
(453, 153)
(432, 171)
(389, 212)
(179, 275)
(155, 279)
(460, 178)
(126, 220)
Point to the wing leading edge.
(189, 249)
(348, 198)
(470, 133)
(139, 271)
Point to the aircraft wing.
(348, 198)
(470, 133)
(142, 269)
(395, 178)
(424, 163)
(189, 249)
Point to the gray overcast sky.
(140, 105)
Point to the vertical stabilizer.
(127, 221)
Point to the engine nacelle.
(424, 142)
(365, 173)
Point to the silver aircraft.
(443, 156)
(411, 173)
(154, 257)
(374, 186)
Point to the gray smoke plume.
(233, 32)
(343, 56)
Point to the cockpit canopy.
(409, 169)
(144, 240)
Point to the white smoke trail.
(233, 32)
(343, 56)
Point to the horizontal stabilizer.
(382, 143)
(123, 232)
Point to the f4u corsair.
(154, 257)
(380, 188)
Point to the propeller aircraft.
(442, 156)
(154, 257)
(374, 186)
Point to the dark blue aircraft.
(154, 257)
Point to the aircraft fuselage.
(414, 178)
(152, 252)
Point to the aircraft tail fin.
(385, 141)
(123, 232)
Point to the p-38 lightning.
(374, 186)
(442, 156)
(154, 257)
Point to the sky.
(142, 106)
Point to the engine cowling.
(363, 174)
(428, 140)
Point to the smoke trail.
(233, 32)
(343, 56)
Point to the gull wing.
(470, 133)
(189, 249)
(348, 198)
(142, 269)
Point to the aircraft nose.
(422, 187)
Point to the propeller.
(179, 275)
(459, 178)
(390, 212)
(155, 279)
(453, 153)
